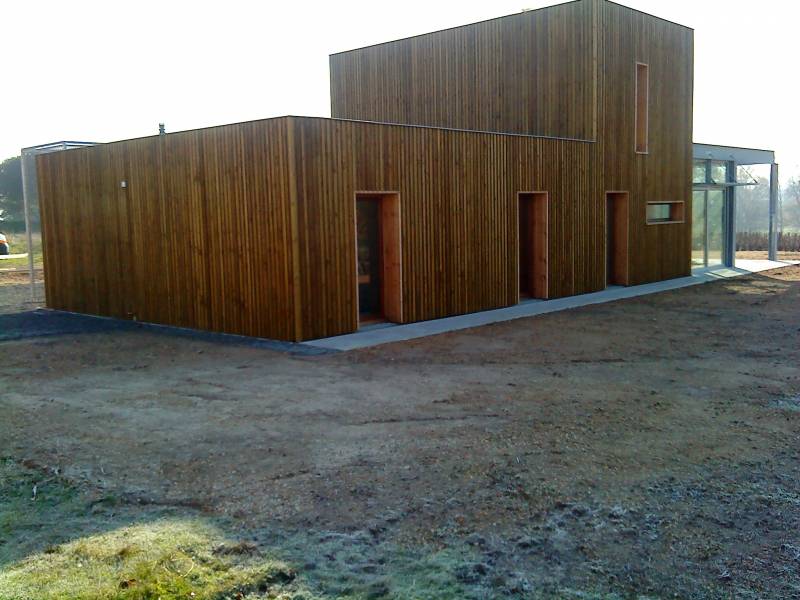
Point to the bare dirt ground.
(649, 446)
(15, 291)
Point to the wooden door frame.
(391, 312)
(626, 260)
(535, 194)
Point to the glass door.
(708, 227)
(715, 227)
(698, 228)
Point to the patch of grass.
(166, 559)
(29, 524)
(65, 543)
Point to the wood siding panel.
(220, 229)
(249, 228)
(529, 73)
(200, 237)
(628, 37)
(567, 71)
(458, 203)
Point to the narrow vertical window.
(642, 106)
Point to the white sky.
(101, 70)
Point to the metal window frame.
(736, 156)
(728, 209)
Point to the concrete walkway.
(385, 333)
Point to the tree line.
(759, 240)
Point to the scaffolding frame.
(30, 191)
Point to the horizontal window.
(664, 212)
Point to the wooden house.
(538, 155)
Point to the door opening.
(711, 237)
(533, 242)
(617, 238)
(378, 268)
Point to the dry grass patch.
(167, 559)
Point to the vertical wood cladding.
(663, 174)
(567, 71)
(220, 229)
(529, 73)
(458, 203)
(200, 237)
(250, 228)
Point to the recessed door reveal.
(378, 257)
(533, 241)
(617, 238)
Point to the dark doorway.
(533, 241)
(369, 260)
(378, 257)
(617, 238)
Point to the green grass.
(18, 243)
(166, 559)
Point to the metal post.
(29, 234)
(729, 216)
(773, 205)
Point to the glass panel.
(699, 171)
(716, 229)
(719, 171)
(659, 212)
(698, 228)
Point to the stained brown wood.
(458, 193)
(533, 245)
(530, 73)
(200, 236)
(248, 228)
(570, 71)
(618, 240)
(627, 37)
(391, 258)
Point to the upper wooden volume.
(528, 73)
(536, 73)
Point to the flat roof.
(382, 123)
(742, 156)
(516, 14)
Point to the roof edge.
(508, 16)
